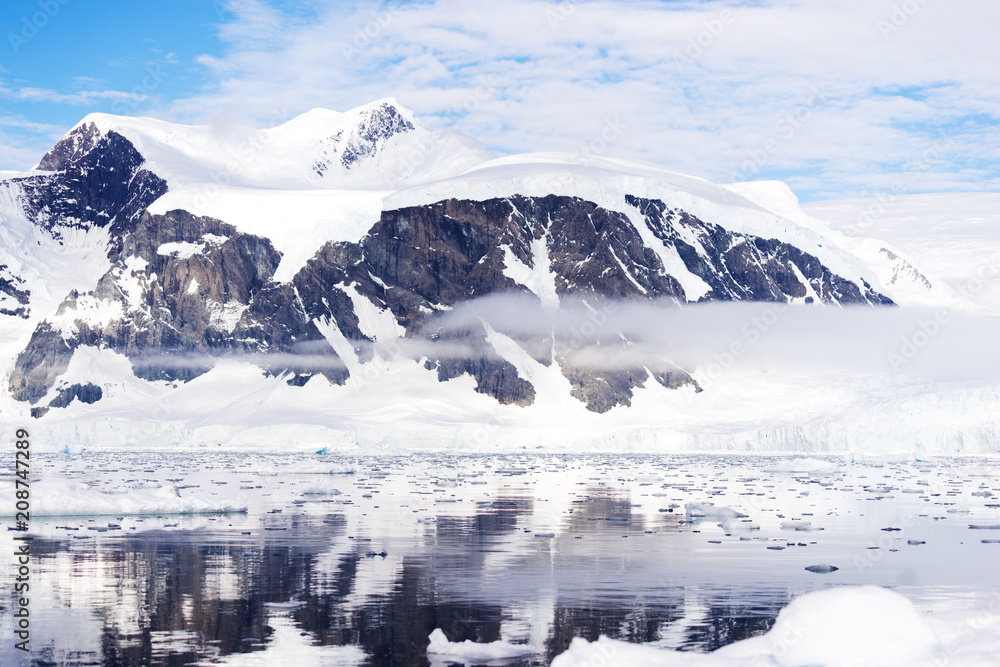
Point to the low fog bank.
(594, 332)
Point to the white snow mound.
(66, 498)
(863, 626)
(470, 651)
(849, 626)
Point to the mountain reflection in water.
(557, 549)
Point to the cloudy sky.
(840, 98)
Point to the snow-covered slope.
(353, 276)
(954, 238)
(318, 177)
(887, 252)
(377, 145)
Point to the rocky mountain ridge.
(184, 291)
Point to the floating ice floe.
(737, 527)
(803, 465)
(711, 512)
(849, 626)
(303, 468)
(469, 651)
(65, 498)
(822, 568)
(319, 489)
(799, 526)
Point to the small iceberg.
(66, 498)
(710, 512)
(470, 651)
(265, 469)
(846, 626)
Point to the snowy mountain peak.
(143, 260)
(368, 131)
(71, 148)
(375, 146)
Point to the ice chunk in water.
(470, 651)
(711, 512)
(737, 527)
(848, 626)
(822, 568)
(803, 465)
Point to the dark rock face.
(454, 250)
(100, 183)
(742, 267)
(40, 364)
(416, 261)
(15, 302)
(72, 148)
(375, 128)
(184, 291)
(87, 393)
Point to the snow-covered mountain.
(356, 276)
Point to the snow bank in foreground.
(65, 498)
(850, 626)
(469, 651)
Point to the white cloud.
(78, 97)
(701, 86)
(718, 89)
(934, 344)
(22, 140)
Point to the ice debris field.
(719, 559)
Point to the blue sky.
(839, 98)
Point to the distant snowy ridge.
(323, 277)
(373, 146)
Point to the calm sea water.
(529, 549)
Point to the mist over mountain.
(351, 277)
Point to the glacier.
(317, 188)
